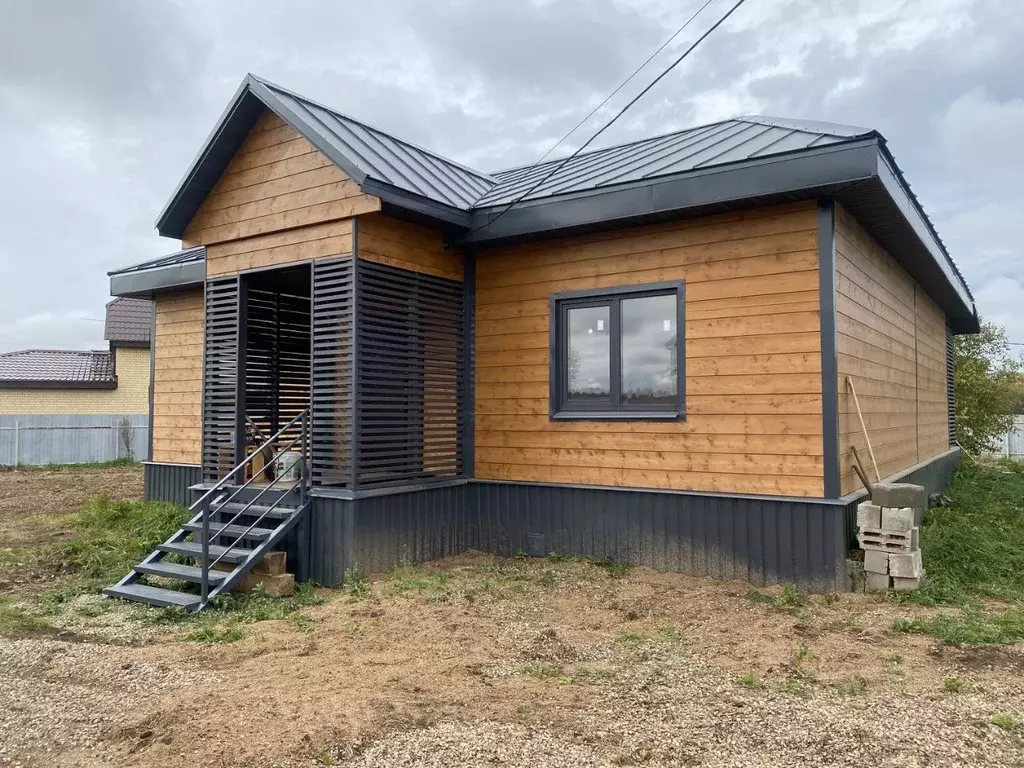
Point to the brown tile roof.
(129, 321)
(56, 368)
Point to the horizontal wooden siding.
(178, 378)
(753, 362)
(892, 342)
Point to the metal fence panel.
(70, 439)
(1011, 445)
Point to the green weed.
(852, 688)
(953, 684)
(211, 633)
(355, 584)
(537, 669)
(789, 599)
(1005, 720)
(751, 680)
(970, 627)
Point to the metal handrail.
(223, 481)
(302, 484)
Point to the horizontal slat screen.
(410, 376)
(332, 372)
(220, 377)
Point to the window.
(618, 353)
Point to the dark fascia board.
(57, 384)
(150, 282)
(434, 211)
(807, 174)
(821, 168)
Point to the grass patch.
(15, 622)
(212, 633)
(954, 684)
(98, 466)
(971, 627)
(751, 680)
(791, 685)
(852, 688)
(789, 599)
(1006, 721)
(616, 568)
(538, 669)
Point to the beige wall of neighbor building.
(131, 395)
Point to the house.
(640, 354)
(66, 404)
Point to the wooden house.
(641, 354)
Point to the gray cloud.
(104, 103)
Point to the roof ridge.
(433, 153)
(809, 126)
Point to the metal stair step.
(180, 572)
(154, 596)
(280, 512)
(220, 529)
(195, 549)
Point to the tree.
(986, 387)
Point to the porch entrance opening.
(275, 369)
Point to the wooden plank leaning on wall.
(891, 340)
(178, 378)
(753, 360)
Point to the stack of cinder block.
(888, 528)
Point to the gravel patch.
(57, 696)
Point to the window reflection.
(589, 365)
(649, 350)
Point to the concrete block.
(275, 585)
(869, 515)
(877, 582)
(897, 518)
(899, 495)
(905, 566)
(887, 541)
(876, 561)
(903, 584)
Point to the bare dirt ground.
(483, 661)
(31, 498)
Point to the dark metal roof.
(179, 257)
(751, 160)
(729, 141)
(129, 321)
(57, 368)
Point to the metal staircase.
(232, 524)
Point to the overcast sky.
(104, 103)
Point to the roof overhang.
(859, 174)
(56, 384)
(146, 283)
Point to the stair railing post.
(205, 544)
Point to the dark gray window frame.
(560, 407)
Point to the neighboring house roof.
(50, 368)
(129, 322)
(725, 166)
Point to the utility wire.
(620, 113)
(622, 85)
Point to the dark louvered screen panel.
(950, 400)
(220, 377)
(332, 372)
(277, 361)
(410, 376)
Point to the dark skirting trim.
(170, 482)
(829, 346)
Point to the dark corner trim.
(829, 345)
(354, 415)
(152, 383)
(469, 367)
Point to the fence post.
(17, 434)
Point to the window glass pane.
(649, 351)
(589, 363)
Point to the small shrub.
(555, 557)
(1005, 720)
(790, 685)
(355, 584)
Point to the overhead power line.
(620, 113)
